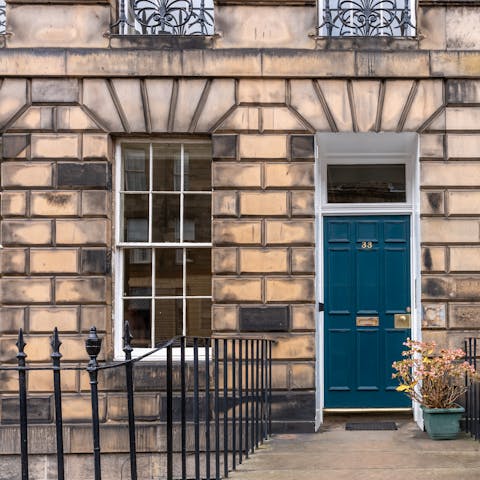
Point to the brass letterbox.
(367, 321)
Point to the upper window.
(166, 17)
(164, 240)
(367, 18)
(3, 22)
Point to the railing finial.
(127, 339)
(55, 344)
(93, 345)
(21, 344)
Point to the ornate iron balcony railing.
(3, 18)
(165, 17)
(367, 18)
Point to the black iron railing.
(472, 397)
(165, 17)
(231, 412)
(366, 18)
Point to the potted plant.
(435, 378)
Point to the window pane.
(137, 272)
(138, 315)
(168, 319)
(197, 159)
(198, 218)
(166, 218)
(166, 167)
(136, 167)
(199, 271)
(135, 214)
(199, 316)
(168, 272)
(366, 183)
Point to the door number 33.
(367, 245)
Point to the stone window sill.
(366, 43)
(162, 42)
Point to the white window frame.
(121, 246)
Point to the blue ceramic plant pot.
(442, 423)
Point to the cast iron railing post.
(57, 392)
(247, 419)
(22, 392)
(196, 409)
(127, 349)
(234, 406)
(207, 409)
(93, 345)
(169, 415)
(225, 408)
(183, 408)
(240, 411)
(217, 412)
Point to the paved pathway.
(337, 454)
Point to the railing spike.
(55, 344)
(21, 344)
(127, 338)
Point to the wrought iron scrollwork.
(366, 18)
(3, 17)
(165, 17)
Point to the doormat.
(371, 426)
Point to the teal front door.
(367, 283)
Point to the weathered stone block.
(464, 315)
(53, 261)
(63, 90)
(95, 260)
(81, 232)
(264, 319)
(302, 376)
(302, 147)
(294, 347)
(35, 118)
(39, 410)
(461, 32)
(13, 96)
(263, 146)
(263, 203)
(303, 203)
(402, 64)
(56, 25)
(226, 289)
(432, 202)
(278, 119)
(433, 259)
(16, 145)
(95, 145)
(26, 232)
(42, 381)
(464, 259)
(224, 260)
(431, 146)
(236, 232)
(224, 204)
(449, 230)
(14, 204)
(303, 317)
(303, 260)
(79, 290)
(87, 175)
(147, 407)
(54, 204)
(258, 260)
(289, 232)
(463, 202)
(224, 146)
(296, 175)
(434, 315)
(261, 91)
(296, 289)
(95, 203)
(55, 145)
(242, 119)
(461, 174)
(77, 408)
(463, 146)
(27, 174)
(45, 319)
(93, 315)
(13, 260)
(13, 318)
(463, 91)
(224, 317)
(236, 174)
(26, 290)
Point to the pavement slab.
(336, 454)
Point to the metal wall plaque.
(367, 321)
(401, 320)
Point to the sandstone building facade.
(263, 169)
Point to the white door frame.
(348, 148)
